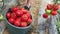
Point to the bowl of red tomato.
(18, 20)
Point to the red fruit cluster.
(53, 8)
(19, 17)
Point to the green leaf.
(55, 1)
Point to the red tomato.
(17, 23)
(53, 13)
(56, 7)
(24, 17)
(11, 20)
(28, 14)
(49, 6)
(45, 15)
(23, 24)
(15, 8)
(29, 21)
(24, 11)
(18, 19)
(13, 15)
(19, 13)
(8, 14)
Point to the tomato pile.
(51, 9)
(19, 17)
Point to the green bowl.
(16, 30)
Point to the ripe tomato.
(29, 21)
(17, 23)
(8, 14)
(11, 20)
(15, 8)
(23, 24)
(45, 15)
(53, 13)
(49, 6)
(24, 17)
(28, 14)
(19, 13)
(13, 15)
(24, 11)
(56, 7)
(18, 19)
